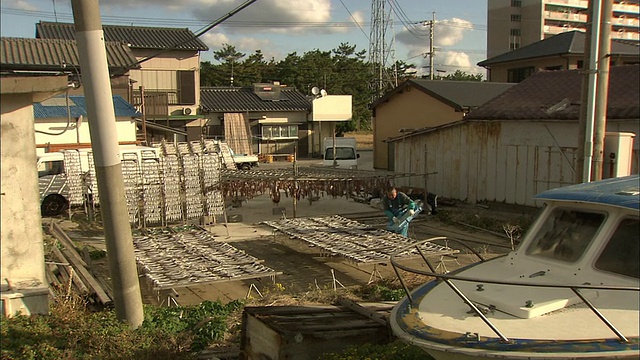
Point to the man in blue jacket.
(396, 203)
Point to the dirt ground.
(302, 269)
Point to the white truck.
(244, 161)
(66, 177)
(344, 148)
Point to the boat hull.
(441, 344)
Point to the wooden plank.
(59, 234)
(370, 314)
(52, 279)
(89, 280)
(65, 271)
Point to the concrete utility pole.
(602, 89)
(589, 101)
(431, 49)
(104, 143)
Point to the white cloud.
(446, 33)
(246, 45)
(450, 32)
(274, 16)
(21, 5)
(215, 40)
(359, 17)
(453, 58)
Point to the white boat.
(570, 290)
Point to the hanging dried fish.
(275, 195)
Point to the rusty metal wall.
(492, 161)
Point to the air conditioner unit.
(186, 111)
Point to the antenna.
(315, 90)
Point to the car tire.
(245, 167)
(54, 205)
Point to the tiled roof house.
(524, 140)
(168, 73)
(564, 51)
(420, 103)
(267, 118)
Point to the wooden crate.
(307, 332)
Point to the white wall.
(126, 128)
(21, 230)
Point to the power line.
(199, 33)
(354, 20)
(408, 24)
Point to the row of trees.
(341, 71)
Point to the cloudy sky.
(281, 27)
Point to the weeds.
(393, 351)
(70, 331)
(513, 232)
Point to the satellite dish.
(315, 90)
(323, 92)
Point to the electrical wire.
(68, 120)
(197, 34)
(236, 24)
(354, 20)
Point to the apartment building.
(512, 24)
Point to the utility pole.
(602, 89)
(431, 52)
(104, 143)
(587, 108)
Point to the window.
(186, 87)
(516, 3)
(566, 234)
(280, 131)
(553, 68)
(342, 153)
(518, 74)
(516, 18)
(621, 254)
(516, 32)
(50, 168)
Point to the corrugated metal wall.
(494, 161)
(237, 132)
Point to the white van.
(344, 148)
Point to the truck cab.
(244, 161)
(52, 183)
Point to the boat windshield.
(621, 255)
(566, 234)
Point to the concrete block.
(25, 301)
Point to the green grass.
(70, 331)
